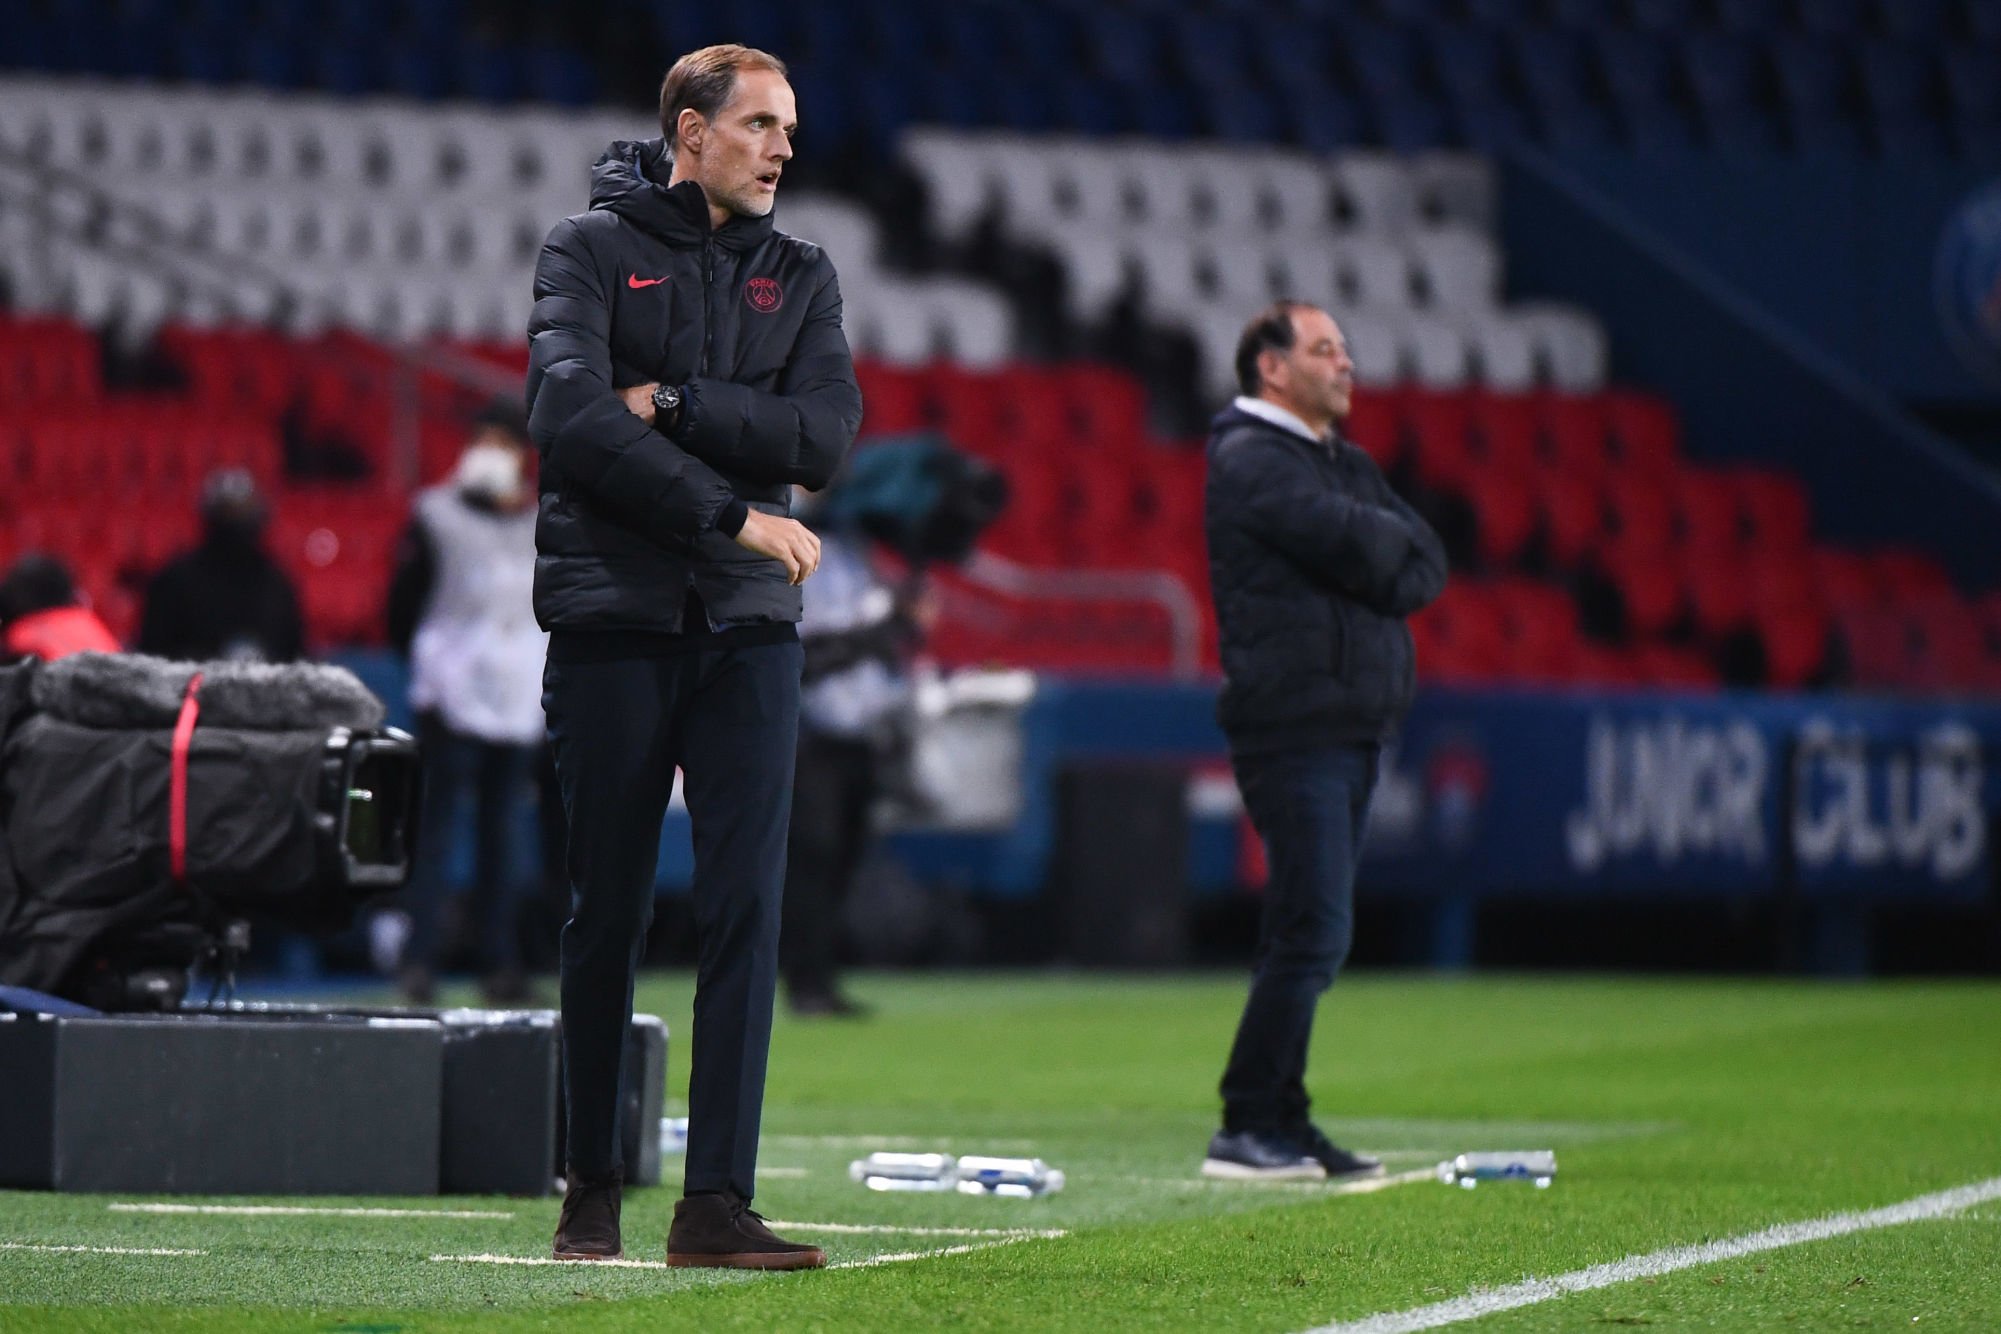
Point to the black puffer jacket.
(1314, 562)
(748, 321)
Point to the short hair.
(504, 415)
(705, 79)
(1270, 328)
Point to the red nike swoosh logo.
(635, 281)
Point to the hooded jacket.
(1314, 563)
(747, 321)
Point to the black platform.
(297, 1100)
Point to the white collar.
(1277, 416)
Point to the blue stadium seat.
(1897, 81)
(1553, 67)
(1091, 106)
(274, 61)
(561, 75)
(1752, 18)
(1813, 75)
(1501, 13)
(1381, 58)
(826, 115)
(1161, 109)
(1322, 118)
(1839, 19)
(1638, 69)
(1468, 66)
(432, 20)
(1291, 50)
(1026, 105)
(825, 33)
(1211, 49)
(1488, 127)
(1043, 37)
(1668, 16)
(346, 69)
(1411, 122)
(1724, 73)
(418, 69)
(1124, 46)
(207, 54)
(490, 72)
(948, 96)
(1244, 113)
(1926, 21)
(1971, 88)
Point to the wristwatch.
(667, 409)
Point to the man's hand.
(784, 540)
(639, 400)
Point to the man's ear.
(1270, 362)
(689, 128)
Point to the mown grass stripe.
(1475, 1305)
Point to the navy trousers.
(729, 719)
(1309, 807)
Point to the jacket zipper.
(708, 301)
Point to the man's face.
(747, 145)
(1315, 373)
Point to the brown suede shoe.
(723, 1232)
(588, 1226)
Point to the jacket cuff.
(730, 522)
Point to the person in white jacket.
(460, 608)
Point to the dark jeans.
(729, 719)
(499, 780)
(831, 796)
(1310, 807)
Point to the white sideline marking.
(867, 1262)
(886, 1141)
(1012, 1233)
(1530, 1291)
(488, 1259)
(300, 1210)
(900, 1256)
(785, 1173)
(93, 1250)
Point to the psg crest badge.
(764, 295)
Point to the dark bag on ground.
(298, 806)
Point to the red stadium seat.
(1905, 574)
(1795, 643)
(1375, 422)
(1504, 507)
(1575, 433)
(1774, 508)
(1573, 515)
(1441, 436)
(892, 399)
(1507, 430)
(1707, 516)
(1650, 588)
(1847, 579)
(1677, 668)
(1644, 434)
(1642, 514)
(1719, 597)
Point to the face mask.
(489, 472)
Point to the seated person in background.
(226, 598)
(43, 616)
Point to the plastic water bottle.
(673, 1136)
(1470, 1169)
(1014, 1178)
(906, 1171)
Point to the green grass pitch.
(1681, 1111)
